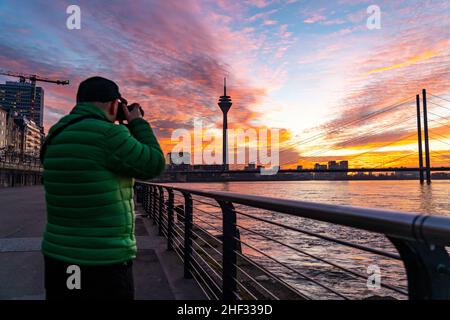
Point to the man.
(89, 168)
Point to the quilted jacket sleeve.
(134, 152)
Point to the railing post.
(187, 255)
(160, 211)
(229, 269)
(427, 268)
(143, 192)
(154, 202)
(149, 200)
(146, 198)
(170, 220)
(138, 191)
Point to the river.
(404, 195)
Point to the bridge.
(295, 174)
(423, 126)
(425, 121)
(349, 170)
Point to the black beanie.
(97, 89)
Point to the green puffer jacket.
(89, 171)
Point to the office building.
(333, 165)
(16, 96)
(321, 167)
(343, 165)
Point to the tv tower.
(225, 105)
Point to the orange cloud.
(422, 57)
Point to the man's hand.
(134, 113)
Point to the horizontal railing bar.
(175, 204)
(208, 213)
(219, 265)
(257, 282)
(396, 226)
(181, 233)
(163, 218)
(338, 241)
(295, 271)
(267, 272)
(177, 248)
(209, 224)
(180, 256)
(209, 267)
(272, 275)
(356, 274)
(435, 230)
(165, 232)
(237, 296)
(342, 242)
(193, 268)
(206, 242)
(245, 289)
(206, 203)
(179, 214)
(202, 284)
(209, 233)
(179, 245)
(209, 256)
(201, 238)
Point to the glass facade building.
(16, 96)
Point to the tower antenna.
(225, 86)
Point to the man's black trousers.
(110, 282)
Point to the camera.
(124, 103)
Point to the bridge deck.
(158, 273)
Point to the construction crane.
(33, 79)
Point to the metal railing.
(226, 242)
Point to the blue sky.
(301, 66)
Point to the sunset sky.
(308, 68)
